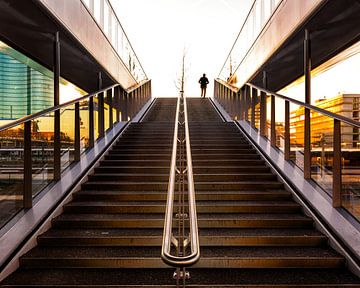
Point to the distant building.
(23, 90)
(346, 105)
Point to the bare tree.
(180, 81)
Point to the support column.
(307, 124)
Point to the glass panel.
(267, 9)
(350, 158)
(11, 172)
(84, 125)
(107, 20)
(322, 152)
(42, 147)
(67, 128)
(280, 123)
(97, 11)
(87, 3)
(297, 135)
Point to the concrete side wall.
(75, 17)
(287, 18)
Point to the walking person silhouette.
(203, 84)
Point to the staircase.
(252, 233)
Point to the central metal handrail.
(168, 237)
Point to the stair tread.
(146, 232)
(201, 216)
(206, 277)
(96, 202)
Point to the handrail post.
(109, 96)
(57, 140)
(287, 131)
(77, 151)
(262, 113)
(337, 181)
(253, 104)
(307, 123)
(101, 116)
(91, 122)
(27, 188)
(241, 104)
(246, 102)
(263, 107)
(272, 124)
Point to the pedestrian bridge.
(117, 188)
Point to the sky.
(161, 30)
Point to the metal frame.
(337, 173)
(27, 121)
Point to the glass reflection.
(11, 172)
(42, 150)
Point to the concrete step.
(232, 177)
(204, 221)
(125, 186)
(132, 169)
(102, 195)
(237, 185)
(214, 257)
(208, 237)
(226, 156)
(137, 156)
(230, 169)
(228, 162)
(200, 278)
(128, 177)
(96, 206)
(138, 163)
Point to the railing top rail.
(232, 88)
(188, 260)
(61, 106)
(309, 106)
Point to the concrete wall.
(76, 18)
(286, 19)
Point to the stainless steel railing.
(174, 247)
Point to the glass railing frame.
(120, 97)
(221, 88)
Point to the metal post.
(287, 131)
(263, 107)
(307, 124)
(27, 190)
(337, 183)
(117, 101)
(109, 95)
(57, 140)
(101, 116)
(77, 132)
(91, 123)
(253, 104)
(241, 103)
(246, 102)
(272, 124)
